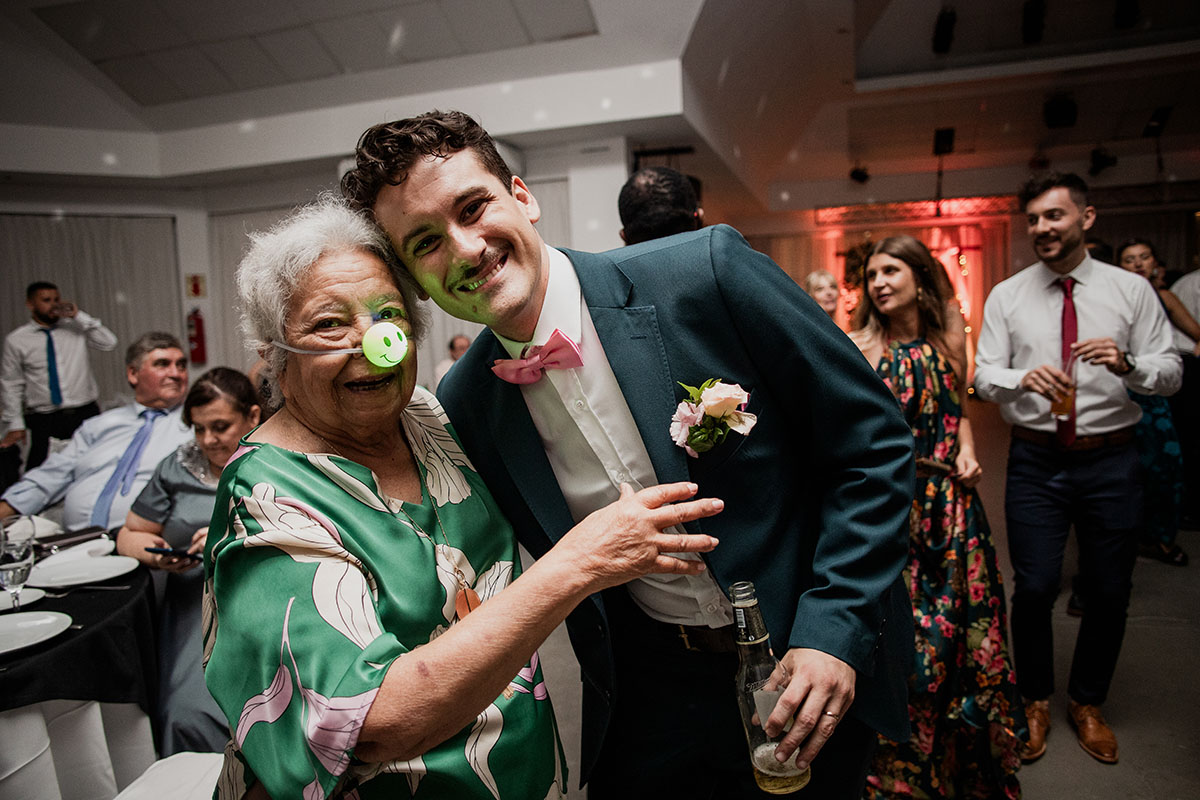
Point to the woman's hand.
(198, 540)
(625, 539)
(966, 468)
(138, 533)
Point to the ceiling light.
(1060, 111)
(1156, 123)
(943, 30)
(1126, 14)
(1033, 21)
(859, 174)
(1101, 160)
(943, 141)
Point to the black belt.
(635, 623)
(1093, 442)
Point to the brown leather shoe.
(1095, 737)
(1037, 712)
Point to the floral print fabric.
(966, 712)
(317, 582)
(1162, 470)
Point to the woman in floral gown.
(965, 709)
(366, 634)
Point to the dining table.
(75, 709)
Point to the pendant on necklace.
(465, 602)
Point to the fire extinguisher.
(197, 352)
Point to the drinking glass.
(16, 555)
(1063, 407)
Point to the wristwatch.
(1129, 360)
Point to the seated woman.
(822, 287)
(173, 511)
(1157, 438)
(359, 641)
(964, 706)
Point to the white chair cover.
(183, 776)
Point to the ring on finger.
(836, 717)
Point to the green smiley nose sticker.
(384, 344)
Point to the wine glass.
(16, 555)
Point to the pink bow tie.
(559, 352)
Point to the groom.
(816, 495)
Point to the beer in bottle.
(761, 679)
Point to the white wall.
(595, 172)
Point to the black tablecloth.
(111, 659)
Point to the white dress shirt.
(1022, 330)
(1187, 289)
(78, 472)
(24, 374)
(593, 444)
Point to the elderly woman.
(172, 513)
(360, 644)
(822, 287)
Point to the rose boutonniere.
(708, 415)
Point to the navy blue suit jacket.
(817, 497)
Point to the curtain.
(229, 239)
(122, 270)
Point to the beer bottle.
(761, 679)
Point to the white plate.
(75, 571)
(28, 595)
(30, 627)
(95, 549)
(42, 527)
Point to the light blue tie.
(52, 366)
(123, 476)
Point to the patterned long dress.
(1162, 470)
(965, 709)
(317, 581)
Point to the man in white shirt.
(816, 496)
(111, 457)
(1185, 404)
(1071, 326)
(49, 397)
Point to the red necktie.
(559, 352)
(1070, 331)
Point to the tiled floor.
(1154, 705)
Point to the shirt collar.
(560, 307)
(1081, 274)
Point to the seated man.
(111, 456)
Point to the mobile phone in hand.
(178, 552)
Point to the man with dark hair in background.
(46, 381)
(1071, 327)
(111, 456)
(657, 202)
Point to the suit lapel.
(520, 448)
(633, 344)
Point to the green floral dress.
(317, 581)
(965, 709)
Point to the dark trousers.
(1185, 413)
(60, 424)
(675, 729)
(1048, 491)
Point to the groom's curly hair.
(386, 152)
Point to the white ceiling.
(778, 95)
